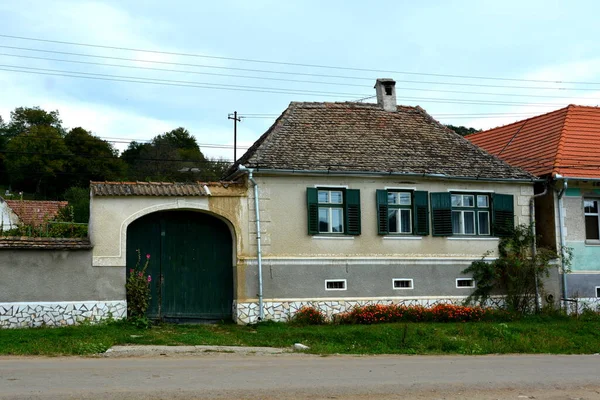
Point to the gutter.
(533, 243)
(562, 239)
(384, 174)
(261, 311)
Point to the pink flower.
(131, 271)
(149, 278)
(147, 256)
(140, 274)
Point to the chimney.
(386, 94)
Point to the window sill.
(487, 239)
(399, 237)
(592, 242)
(341, 237)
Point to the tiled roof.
(44, 243)
(147, 189)
(33, 212)
(565, 142)
(359, 137)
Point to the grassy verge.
(557, 336)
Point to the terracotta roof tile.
(33, 212)
(44, 243)
(359, 137)
(565, 142)
(147, 189)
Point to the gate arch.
(190, 263)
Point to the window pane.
(337, 217)
(456, 222)
(456, 200)
(405, 221)
(336, 197)
(469, 217)
(323, 196)
(483, 201)
(393, 221)
(468, 201)
(323, 219)
(591, 206)
(484, 223)
(591, 227)
(392, 198)
(404, 198)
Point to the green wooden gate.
(190, 264)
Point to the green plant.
(138, 289)
(515, 273)
(308, 316)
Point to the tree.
(92, 159)
(35, 158)
(463, 130)
(22, 119)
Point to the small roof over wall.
(37, 243)
(158, 189)
(33, 212)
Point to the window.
(402, 212)
(402, 283)
(338, 284)
(334, 211)
(470, 214)
(592, 219)
(462, 283)
(597, 291)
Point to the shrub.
(308, 316)
(138, 290)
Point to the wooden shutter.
(503, 214)
(312, 205)
(352, 211)
(421, 213)
(383, 226)
(441, 209)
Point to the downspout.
(562, 239)
(533, 243)
(261, 312)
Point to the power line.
(293, 64)
(297, 73)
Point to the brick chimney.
(386, 94)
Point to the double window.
(402, 212)
(333, 211)
(399, 212)
(470, 214)
(592, 219)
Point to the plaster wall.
(8, 219)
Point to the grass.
(531, 335)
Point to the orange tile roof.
(32, 212)
(565, 142)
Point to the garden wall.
(52, 282)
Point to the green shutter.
(383, 226)
(352, 211)
(312, 205)
(421, 213)
(441, 210)
(503, 214)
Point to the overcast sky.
(522, 40)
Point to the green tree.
(463, 130)
(22, 119)
(92, 159)
(35, 158)
(79, 201)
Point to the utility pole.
(235, 119)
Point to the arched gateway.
(190, 264)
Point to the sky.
(139, 68)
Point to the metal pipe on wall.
(562, 239)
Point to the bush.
(138, 290)
(308, 316)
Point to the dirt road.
(295, 376)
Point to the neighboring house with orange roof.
(563, 147)
(28, 212)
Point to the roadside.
(531, 335)
(301, 376)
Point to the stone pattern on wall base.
(584, 304)
(37, 314)
(281, 311)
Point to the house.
(28, 212)
(335, 205)
(563, 148)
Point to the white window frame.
(465, 287)
(597, 215)
(412, 286)
(475, 209)
(399, 208)
(489, 223)
(330, 207)
(598, 292)
(462, 217)
(335, 280)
